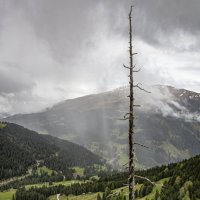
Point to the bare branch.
(112, 195)
(128, 114)
(137, 70)
(126, 67)
(142, 145)
(148, 180)
(138, 86)
(131, 12)
(145, 178)
(125, 164)
(127, 118)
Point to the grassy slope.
(158, 187)
(44, 169)
(65, 183)
(120, 157)
(7, 195)
(79, 170)
(80, 197)
(2, 125)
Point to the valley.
(173, 181)
(86, 160)
(167, 122)
(99, 100)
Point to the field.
(2, 125)
(90, 196)
(66, 183)
(80, 197)
(79, 170)
(7, 195)
(158, 187)
(44, 169)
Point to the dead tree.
(131, 117)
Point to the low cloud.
(163, 101)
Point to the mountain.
(21, 148)
(4, 115)
(167, 122)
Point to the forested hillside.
(178, 181)
(21, 148)
(184, 182)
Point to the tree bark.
(131, 118)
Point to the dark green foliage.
(157, 195)
(107, 194)
(20, 148)
(23, 147)
(32, 195)
(33, 179)
(185, 181)
(144, 190)
(99, 197)
(75, 189)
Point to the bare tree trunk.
(131, 119)
(131, 116)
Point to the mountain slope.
(168, 123)
(20, 148)
(185, 181)
(177, 181)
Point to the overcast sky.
(51, 50)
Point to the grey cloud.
(157, 17)
(65, 24)
(62, 48)
(191, 68)
(80, 20)
(12, 80)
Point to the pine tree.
(156, 195)
(98, 197)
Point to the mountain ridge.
(168, 122)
